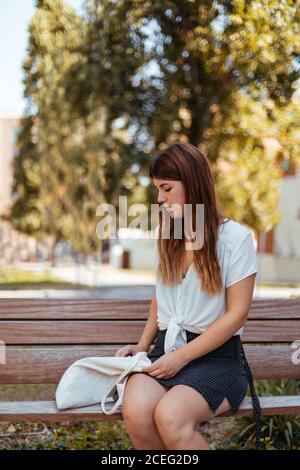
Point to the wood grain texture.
(124, 331)
(47, 410)
(51, 309)
(44, 337)
(47, 365)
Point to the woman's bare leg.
(177, 415)
(142, 394)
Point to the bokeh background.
(90, 91)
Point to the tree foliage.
(109, 89)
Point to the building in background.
(14, 246)
(8, 131)
(133, 249)
(279, 248)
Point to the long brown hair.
(185, 162)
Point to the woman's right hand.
(129, 350)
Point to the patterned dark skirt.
(222, 373)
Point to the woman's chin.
(174, 215)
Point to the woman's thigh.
(182, 405)
(141, 395)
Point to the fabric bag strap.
(121, 387)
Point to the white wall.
(142, 250)
(274, 268)
(8, 128)
(287, 233)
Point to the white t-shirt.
(185, 306)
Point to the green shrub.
(92, 435)
(279, 431)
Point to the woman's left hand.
(166, 366)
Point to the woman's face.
(171, 195)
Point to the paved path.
(105, 281)
(125, 292)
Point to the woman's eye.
(168, 190)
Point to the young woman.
(203, 296)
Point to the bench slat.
(47, 410)
(276, 405)
(105, 332)
(264, 309)
(70, 332)
(270, 331)
(51, 309)
(46, 365)
(68, 324)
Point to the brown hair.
(185, 162)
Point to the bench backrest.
(43, 337)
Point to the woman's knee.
(181, 410)
(141, 396)
(168, 417)
(173, 426)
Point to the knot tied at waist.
(175, 335)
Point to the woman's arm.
(238, 302)
(151, 327)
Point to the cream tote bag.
(93, 380)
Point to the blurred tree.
(100, 87)
(64, 200)
(107, 90)
(78, 85)
(225, 77)
(26, 210)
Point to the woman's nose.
(160, 200)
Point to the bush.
(65, 436)
(279, 431)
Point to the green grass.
(14, 278)
(92, 435)
(138, 272)
(64, 436)
(280, 284)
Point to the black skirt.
(222, 373)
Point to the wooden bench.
(43, 337)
